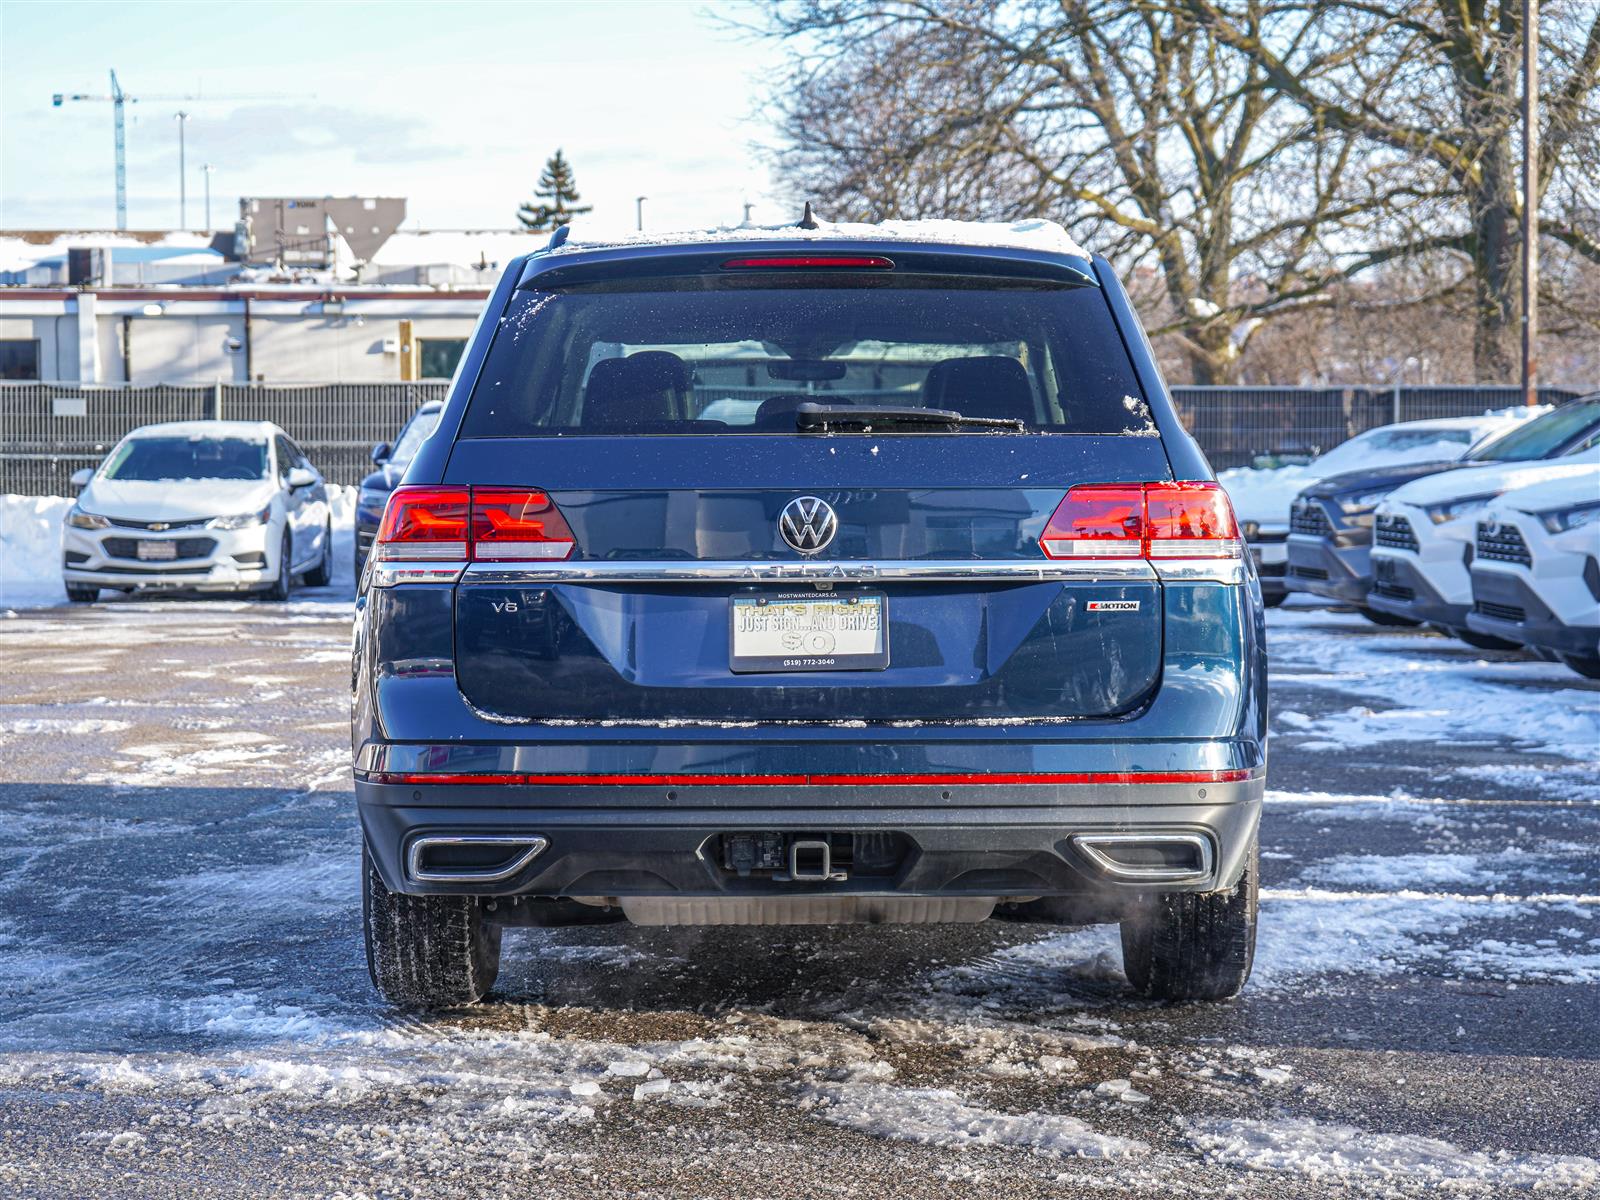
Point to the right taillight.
(1150, 520)
(484, 524)
(1189, 520)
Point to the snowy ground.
(184, 1007)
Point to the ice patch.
(939, 1117)
(1342, 1153)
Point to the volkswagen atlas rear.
(809, 576)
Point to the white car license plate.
(808, 632)
(157, 551)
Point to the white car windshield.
(153, 458)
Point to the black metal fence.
(50, 430)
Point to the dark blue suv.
(809, 576)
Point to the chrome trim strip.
(917, 570)
(535, 846)
(1091, 844)
(1200, 570)
(388, 574)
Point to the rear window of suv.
(703, 355)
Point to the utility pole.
(182, 118)
(208, 168)
(638, 205)
(1530, 201)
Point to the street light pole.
(638, 203)
(208, 168)
(183, 172)
(1530, 201)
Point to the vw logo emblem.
(808, 524)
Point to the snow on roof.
(207, 429)
(1040, 235)
(461, 247)
(21, 249)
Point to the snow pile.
(1265, 495)
(30, 549)
(1035, 234)
(1344, 1153)
(940, 1117)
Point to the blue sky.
(453, 105)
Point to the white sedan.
(205, 506)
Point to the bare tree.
(1126, 119)
(1437, 82)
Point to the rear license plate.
(808, 632)
(153, 551)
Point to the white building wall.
(339, 349)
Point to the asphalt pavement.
(185, 1010)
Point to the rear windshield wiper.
(821, 418)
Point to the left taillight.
(484, 524)
(424, 524)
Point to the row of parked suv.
(1499, 547)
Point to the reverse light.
(486, 524)
(517, 524)
(808, 262)
(1150, 520)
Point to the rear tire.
(321, 575)
(1383, 618)
(1274, 599)
(278, 590)
(426, 951)
(1482, 641)
(82, 595)
(1188, 946)
(1586, 665)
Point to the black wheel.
(321, 575)
(1587, 665)
(82, 595)
(1273, 599)
(426, 951)
(1482, 641)
(1194, 945)
(360, 565)
(1383, 618)
(278, 590)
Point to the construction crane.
(119, 101)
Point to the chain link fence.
(50, 430)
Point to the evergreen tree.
(558, 192)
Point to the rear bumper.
(992, 841)
(1325, 567)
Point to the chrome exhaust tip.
(470, 857)
(1149, 857)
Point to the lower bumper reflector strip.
(1055, 778)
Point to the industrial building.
(327, 290)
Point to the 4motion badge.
(1112, 606)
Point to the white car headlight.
(1562, 519)
(1451, 509)
(1363, 502)
(79, 519)
(243, 520)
